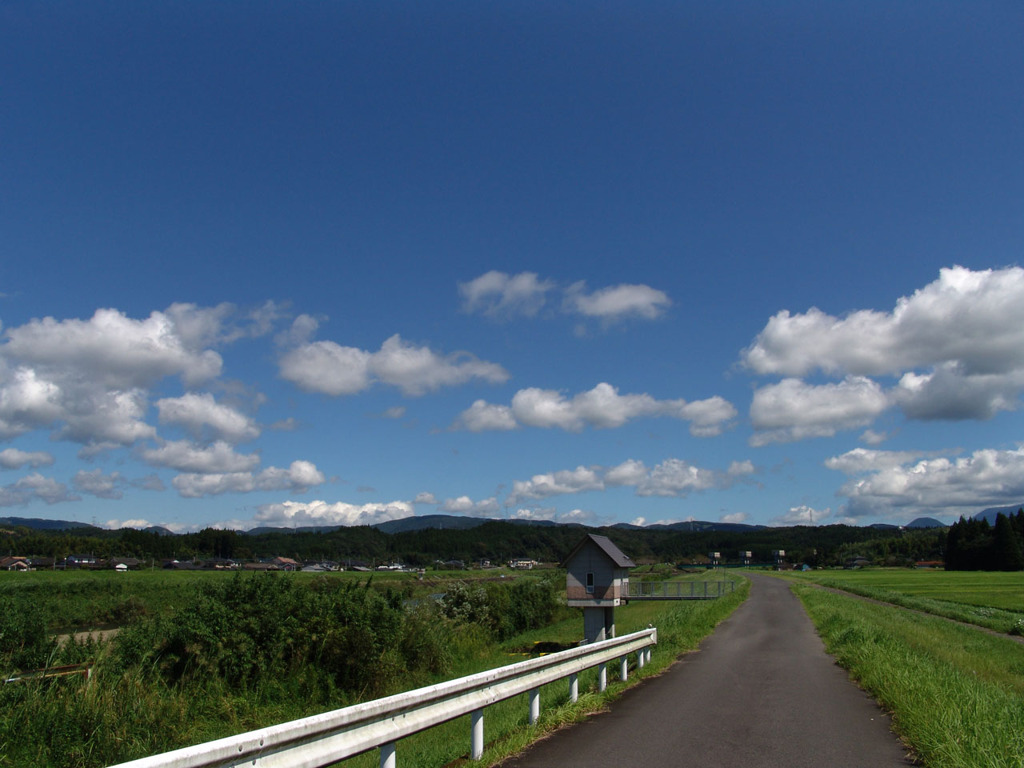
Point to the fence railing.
(324, 739)
(679, 590)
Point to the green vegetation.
(497, 541)
(974, 545)
(240, 652)
(992, 600)
(956, 694)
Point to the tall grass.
(956, 694)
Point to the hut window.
(590, 583)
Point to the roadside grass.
(681, 627)
(994, 600)
(125, 712)
(956, 694)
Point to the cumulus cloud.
(95, 483)
(294, 514)
(89, 379)
(502, 296)
(12, 458)
(890, 484)
(672, 478)
(463, 505)
(35, 486)
(954, 347)
(329, 368)
(794, 410)
(600, 407)
(549, 484)
(220, 457)
(618, 302)
(299, 477)
(802, 515)
(201, 414)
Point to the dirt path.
(761, 693)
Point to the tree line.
(974, 545)
(496, 541)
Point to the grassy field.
(989, 599)
(83, 600)
(956, 694)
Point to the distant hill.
(991, 513)
(692, 525)
(925, 522)
(44, 525)
(159, 530)
(884, 526)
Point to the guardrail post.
(387, 755)
(476, 719)
(602, 676)
(534, 706)
(574, 687)
(640, 660)
(624, 668)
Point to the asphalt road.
(760, 693)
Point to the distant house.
(125, 563)
(286, 564)
(522, 563)
(219, 564)
(14, 563)
(81, 561)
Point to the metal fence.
(679, 590)
(324, 739)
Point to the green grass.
(956, 694)
(989, 599)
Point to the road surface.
(760, 693)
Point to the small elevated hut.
(597, 580)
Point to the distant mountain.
(696, 526)
(991, 513)
(301, 529)
(44, 525)
(925, 522)
(159, 530)
(884, 526)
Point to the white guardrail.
(320, 740)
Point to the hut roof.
(616, 555)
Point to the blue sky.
(337, 263)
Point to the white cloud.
(617, 302)
(463, 505)
(564, 481)
(861, 460)
(629, 472)
(201, 412)
(425, 497)
(95, 483)
(734, 518)
(481, 416)
(501, 296)
(119, 351)
(327, 367)
(898, 484)
(675, 477)
(801, 515)
(794, 410)
(35, 486)
(12, 458)
(956, 347)
(295, 514)
(220, 457)
(138, 523)
(600, 407)
(298, 478)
